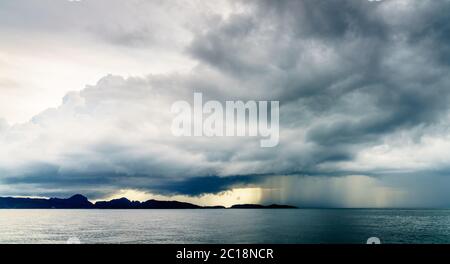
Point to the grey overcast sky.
(86, 89)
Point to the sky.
(86, 90)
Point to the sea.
(225, 226)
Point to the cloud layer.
(363, 87)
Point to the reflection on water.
(224, 226)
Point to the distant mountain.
(154, 204)
(75, 202)
(258, 206)
(124, 203)
(23, 203)
(79, 201)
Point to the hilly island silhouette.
(79, 201)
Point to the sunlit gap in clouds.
(226, 198)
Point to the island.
(259, 206)
(79, 201)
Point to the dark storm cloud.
(379, 74)
(348, 74)
(280, 28)
(401, 92)
(97, 184)
(209, 184)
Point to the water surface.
(225, 226)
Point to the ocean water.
(225, 226)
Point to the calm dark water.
(225, 226)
